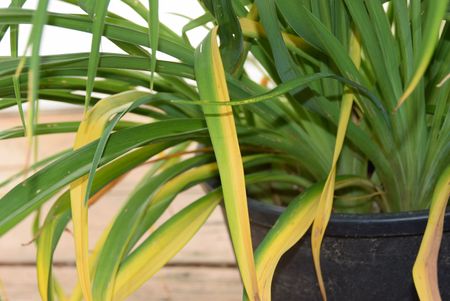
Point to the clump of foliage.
(358, 118)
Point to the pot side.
(363, 257)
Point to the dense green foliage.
(360, 87)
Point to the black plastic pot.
(363, 257)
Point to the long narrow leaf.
(28, 195)
(163, 244)
(290, 228)
(153, 23)
(101, 7)
(147, 259)
(91, 128)
(59, 215)
(425, 267)
(128, 101)
(125, 224)
(212, 86)
(326, 198)
(435, 12)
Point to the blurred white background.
(58, 41)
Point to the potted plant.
(353, 108)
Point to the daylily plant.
(352, 115)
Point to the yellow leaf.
(425, 268)
(289, 229)
(326, 198)
(212, 86)
(163, 244)
(89, 130)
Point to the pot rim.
(411, 223)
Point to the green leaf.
(27, 196)
(325, 205)
(107, 60)
(91, 128)
(200, 21)
(39, 20)
(163, 244)
(279, 90)
(34, 166)
(60, 214)
(153, 23)
(87, 5)
(212, 86)
(124, 226)
(54, 128)
(230, 34)
(4, 27)
(98, 25)
(435, 12)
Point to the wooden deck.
(203, 270)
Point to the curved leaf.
(163, 244)
(28, 195)
(325, 205)
(91, 128)
(59, 215)
(435, 13)
(212, 86)
(126, 223)
(425, 267)
(290, 228)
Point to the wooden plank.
(171, 283)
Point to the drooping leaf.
(59, 215)
(290, 228)
(425, 270)
(279, 90)
(28, 195)
(125, 225)
(212, 86)
(148, 259)
(200, 21)
(325, 205)
(163, 244)
(91, 128)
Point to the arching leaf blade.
(435, 13)
(325, 205)
(425, 267)
(212, 86)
